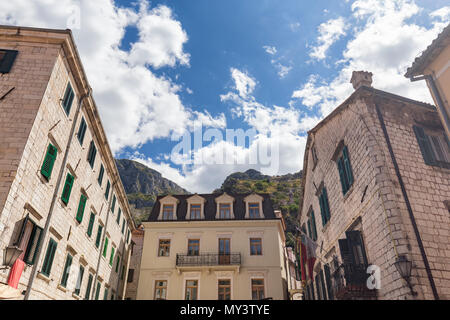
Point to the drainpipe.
(102, 243)
(408, 205)
(55, 195)
(440, 103)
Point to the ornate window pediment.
(253, 206)
(168, 208)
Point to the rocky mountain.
(284, 191)
(143, 185)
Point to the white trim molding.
(225, 199)
(170, 200)
(253, 198)
(195, 199)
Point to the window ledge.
(60, 287)
(44, 277)
(76, 296)
(349, 191)
(325, 227)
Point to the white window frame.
(225, 199)
(168, 200)
(253, 198)
(196, 200)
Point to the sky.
(200, 89)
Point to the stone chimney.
(361, 78)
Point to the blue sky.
(276, 67)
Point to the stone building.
(61, 199)
(433, 65)
(377, 199)
(137, 239)
(213, 246)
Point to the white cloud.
(135, 105)
(270, 50)
(329, 33)
(243, 83)
(385, 43)
(294, 26)
(282, 70)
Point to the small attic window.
(7, 58)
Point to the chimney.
(361, 78)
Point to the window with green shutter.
(123, 225)
(66, 270)
(117, 263)
(49, 161)
(105, 248)
(97, 292)
(434, 146)
(7, 58)
(111, 258)
(79, 280)
(67, 188)
(324, 206)
(118, 216)
(128, 235)
(100, 175)
(89, 287)
(82, 131)
(345, 170)
(313, 226)
(91, 224)
(99, 235)
(49, 255)
(81, 206)
(105, 296)
(68, 98)
(113, 206)
(108, 186)
(91, 154)
(29, 238)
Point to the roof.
(211, 206)
(430, 53)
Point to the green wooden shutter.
(66, 271)
(33, 244)
(68, 98)
(328, 281)
(111, 258)
(123, 226)
(8, 60)
(309, 228)
(79, 280)
(313, 225)
(108, 185)
(326, 204)
(342, 176)
(97, 292)
(82, 131)
(88, 288)
(424, 145)
(347, 166)
(100, 175)
(91, 224)
(322, 212)
(105, 248)
(105, 296)
(49, 161)
(49, 255)
(67, 188)
(113, 206)
(91, 154)
(117, 263)
(99, 235)
(118, 216)
(128, 235)
(81, 207)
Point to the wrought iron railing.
(350, 279)
(208, 259)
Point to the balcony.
(349, 283)
(209, 261)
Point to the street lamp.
(10, 256)
(404, 266)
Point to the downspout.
(100, 251)
(55, 195)
(430, 81)
(408, 205)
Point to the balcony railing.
(349, 281)
(208, 259)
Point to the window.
(322, 284)
(67, 188)
(257, 289)
(49, 255)
(224, 250)
(255, 246)
(253, 210)
(49, 161)
(79, 280)
(123, 225)
(224, 289)
(434, 146)
(311, 223)
(318, 288)
(314, 156)
(100, 175)
(328, 281)
(224, 211)
(191, 290)
(97, 292)
(164, 248)
(99, 235)
(82, 131)
(117, 263)
(193, 247)
(113, 206)
(160, 289)
(118, 216)
(345, 170)
(108, 186)
(128, 236)
(105, 247)
(7, 58)
(81, 206)
(111, 257)
(29, 239)
(105, 295)
(167, 212)
(195, 211)
(123, 272)
(130, 275)
(352, 250)
(66, 270)
(68, 98)
(91, 154)
(324, 206)
(112, 295)
(91, 224)
(88, 288)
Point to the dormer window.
(253, 209)
(167, 212)
(196, 212)
(224, 211)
